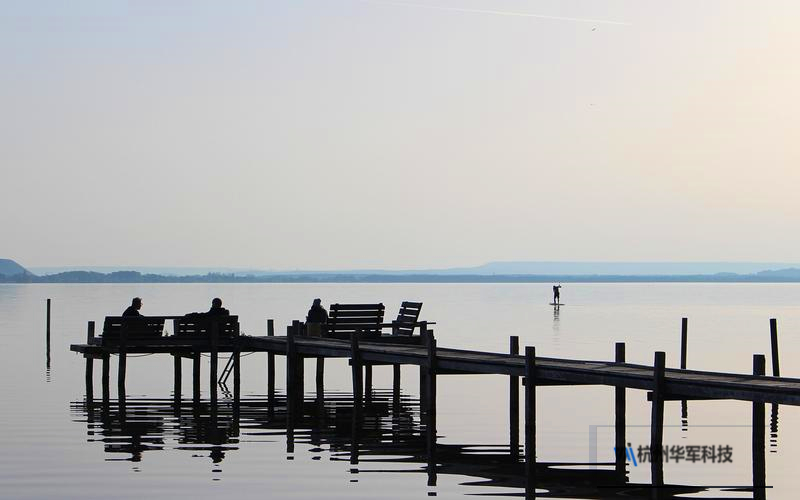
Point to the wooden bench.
(364, 319)
(134, 328)
(406, 319)
(198, 326)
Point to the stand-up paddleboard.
(554, 304)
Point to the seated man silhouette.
(217, 309)
(316, 319)
(133, 309)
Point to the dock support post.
(214, 354)
(105, 377)
(530, 422)
(358, 387)
(271, 370)
(320, 379)
(773, 333)
(294, 371)
(47, 331)
(431, 395)
(759, 424)
(178, 376)
(89, 378)
(620, 457)
(368, 383)
(123, 365)
(196, 377)
(684, 341)
(423, 384)
(237, 375)
(396, 385)
(657, 420)
(513, 403)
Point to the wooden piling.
(177, 376)
(513, 403)
(431, 394)
(320, 378)
(355, 361)
(123, 364)
(759, 424)
(620, 457)
(530, 422)
(368, 383)
(657, 420)
(684, 341)
(90, 333)
(89, 378)
(396, 384)
(423, 384)
(270, 363)
(773, 333)
(48, 325)
(105, 377)
(237, 375)
(196, 377)
(214, 364)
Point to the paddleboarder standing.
(556, 294)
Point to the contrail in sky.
(498, 12)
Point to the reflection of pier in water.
(388, 430)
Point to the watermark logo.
(715, 454)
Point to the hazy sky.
(360, 134)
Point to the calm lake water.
(54, 446)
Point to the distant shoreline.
(135, 277)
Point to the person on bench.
(316, 319)
(133, 309)
(217, 309)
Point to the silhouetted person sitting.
(317, 313)
(217, 309)
(133, 309)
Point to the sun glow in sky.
(392, 134)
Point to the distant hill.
(10, 268)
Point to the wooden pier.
(528, 369)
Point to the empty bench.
(131, 328)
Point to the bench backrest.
(344, 319)
(406, 318)
(199, 325)
(136, 327)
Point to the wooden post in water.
(291, 370)
(89, 364)
(773, 333)
(430, 406)
(48, 336)
(657, 420)
(368, 382)
(759, 424)
(105, 377)
(196, 377)
(619, 416)
(358, 387)
(513, 403)
(530, 422)
(89, 378)
(320, 379)
(684, 341)
(213, 365)
(123, 364)
(423, 384)
(270, 363)
(177, 376)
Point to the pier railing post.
(657, 420)
(684, 341)
(773, 333)
(513, 403)
(530, 422)
(619, 416)
(759, 424)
